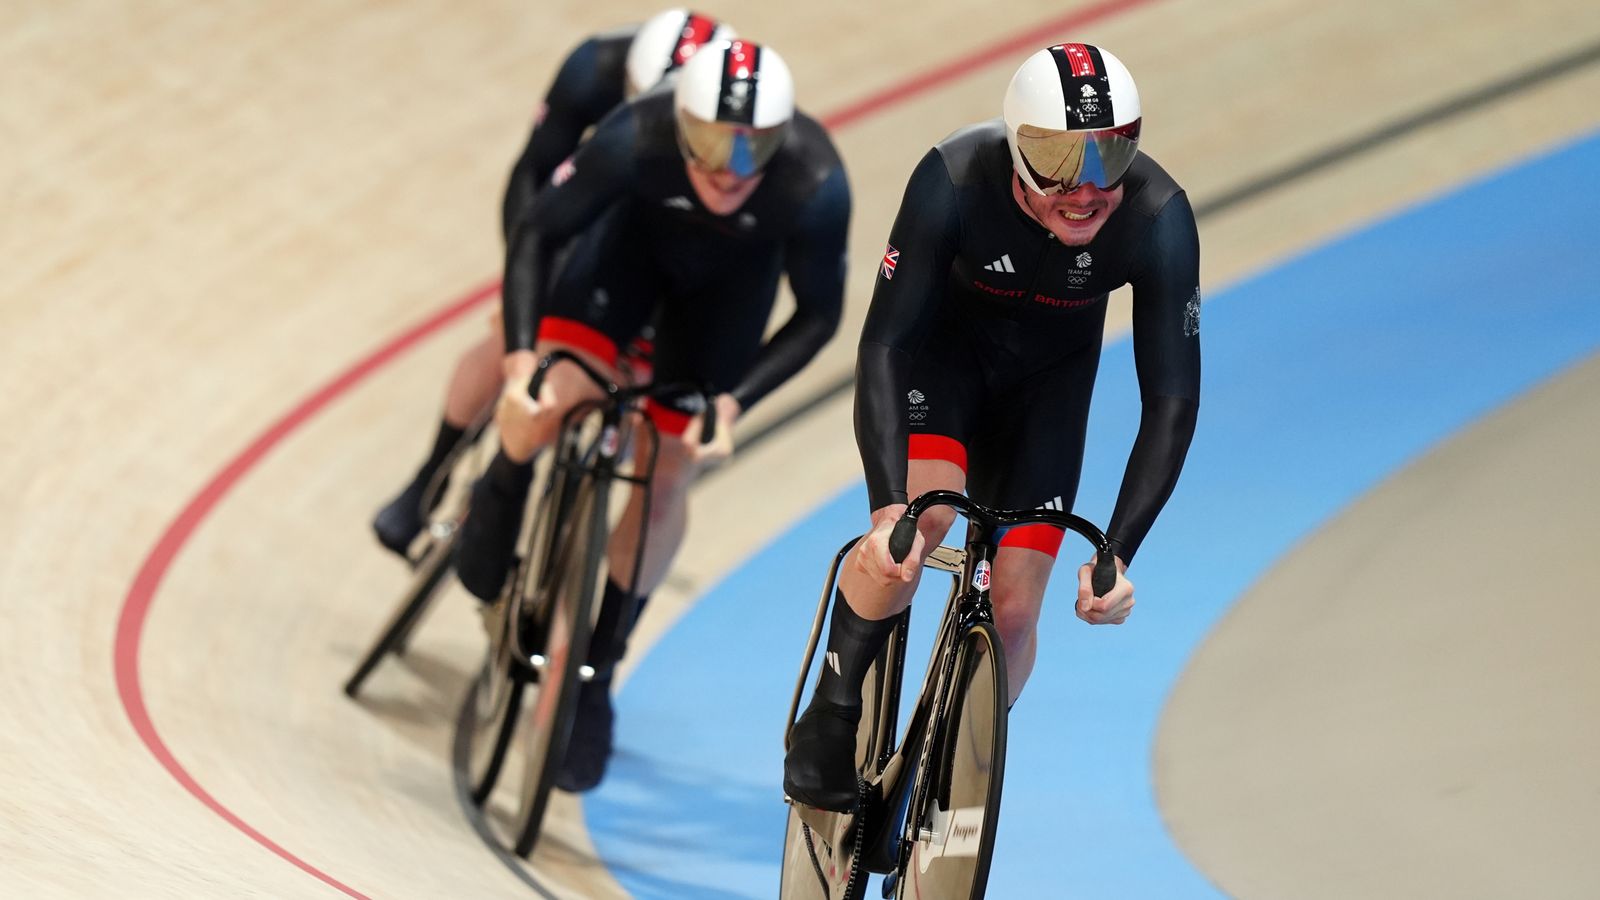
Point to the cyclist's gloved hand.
(516, 416)
(872, 556)
(721, 445)
(1114, 607)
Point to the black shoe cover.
(820, 769)
(399, 523)
(589, 750)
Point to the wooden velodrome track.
(216, 214)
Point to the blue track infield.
(1323, 377)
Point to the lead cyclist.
(978, 359)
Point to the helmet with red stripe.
(1072, 117)
(733, 103)
(667, 41)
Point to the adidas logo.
(833, 662)
(1003, 264)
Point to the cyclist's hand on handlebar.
(516, 416)
(1114, 607)
(720, 447)
(873, 557)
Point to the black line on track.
(1461, 104)
(1496, 91)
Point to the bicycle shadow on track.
(414, 695)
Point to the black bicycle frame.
(616, 402)
(967, 604)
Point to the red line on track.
(130, 625)
(142, 593)
(1041, 35)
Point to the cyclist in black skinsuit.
(978, 359)
(691, 203)
(597, 76)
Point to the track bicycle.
(539, 628)
(431, 554)
(928, 807)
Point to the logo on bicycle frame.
(610, 439)
(980, 575)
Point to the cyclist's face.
(721, 192)
(1076, 217)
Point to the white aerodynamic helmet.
(734, 102)
(665, 42)
(1072, 117)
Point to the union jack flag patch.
(891, 258)
(562, 172)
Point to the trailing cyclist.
(688, 205)
(597, 76)
(979, 355)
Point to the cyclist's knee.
(1016, 602)
(1016, 620)
(934, 525)
(674, 465)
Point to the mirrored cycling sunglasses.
(1060, 161)
(728, 147)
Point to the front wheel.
(575, 561)
(950, 828)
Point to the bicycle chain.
(860, 834)
(862, 789)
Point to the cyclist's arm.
(926, 233)
(600, 172)
(1166, 346)
(814, 257)
(577, 99)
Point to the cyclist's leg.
(819, 769)
(708, 330)
(631, 296)
(582, 318)
(487, 546)
(710, 321)
(475, 381)
(633, 573)
(473, 385)
(1035, 465)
